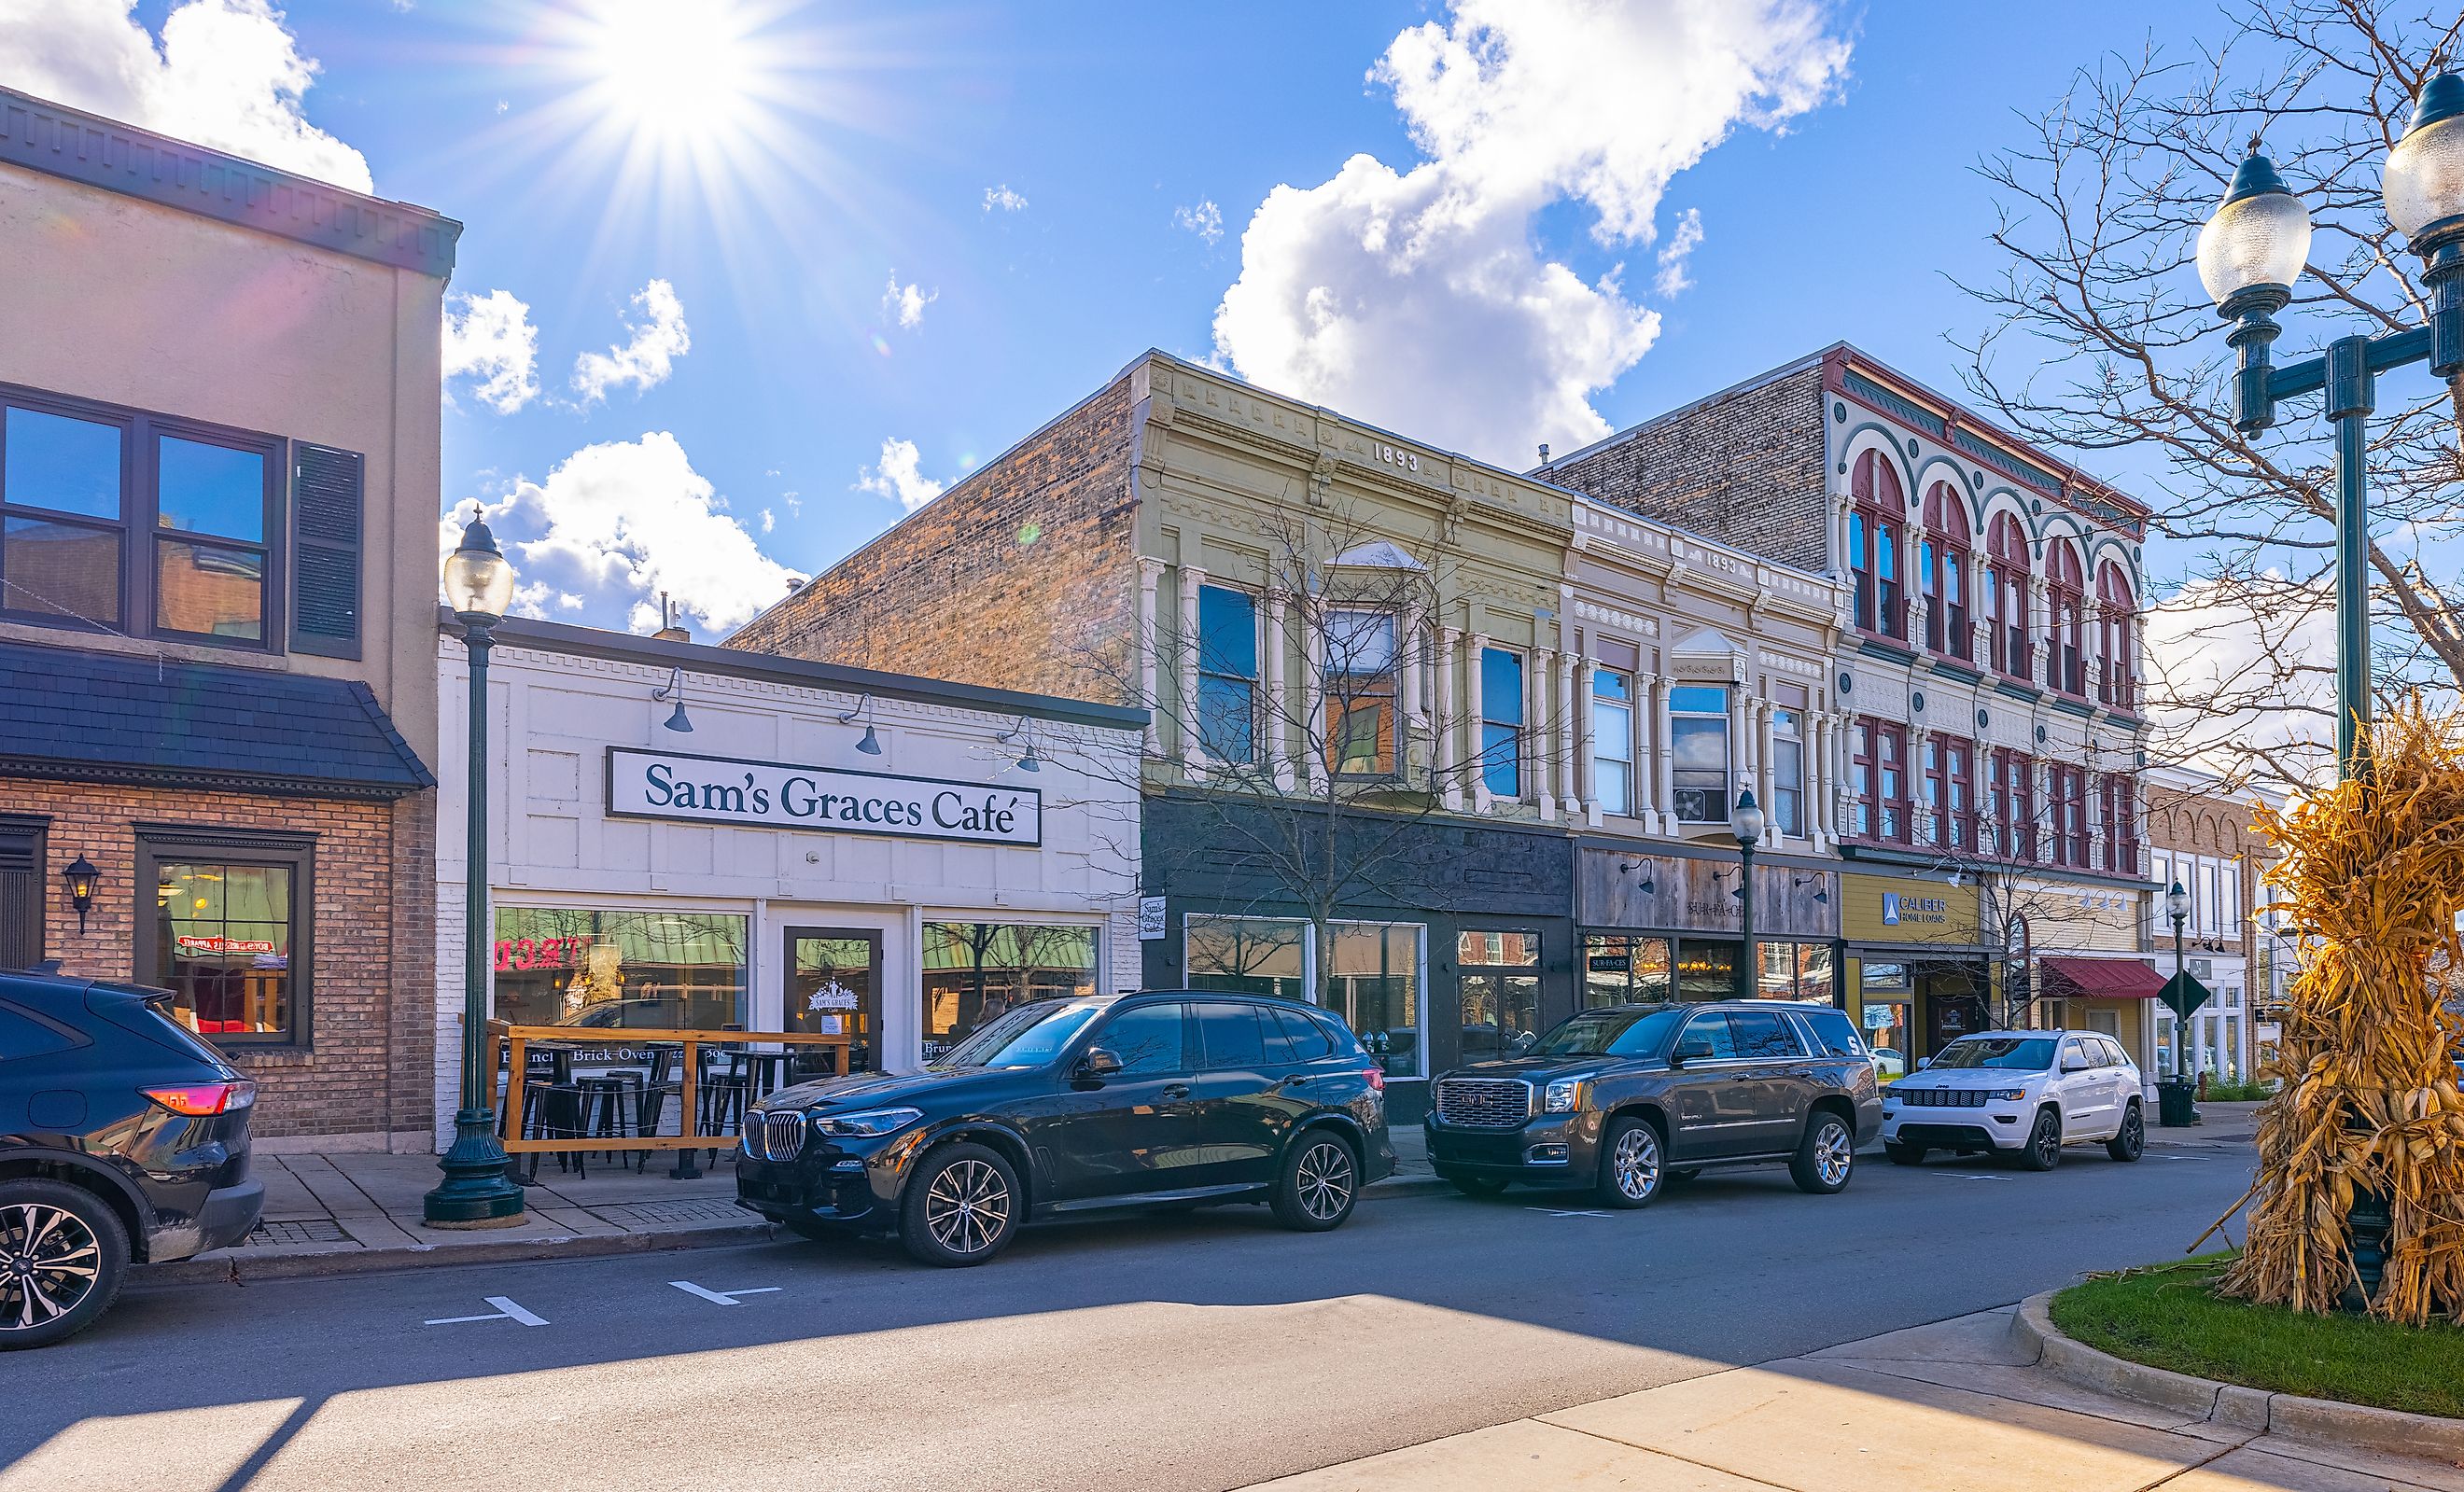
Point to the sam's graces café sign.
(660, 785)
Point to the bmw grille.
(774, 1134)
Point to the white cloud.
(2243, 674)
(226, 73)
(768, 521)
(615, 524)
(658, 340)
(1004, 198)
(1418, 300)
(905, 303)
(900, 477)
(1672, 277)
(490, 339)
(1205, 219)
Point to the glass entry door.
(834, 989)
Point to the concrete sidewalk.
(1957, 1405)
(344, 1213)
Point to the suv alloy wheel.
(63, 1254)
(1631, 1167)
(1319, 1183)
(1826, 1157)
(962, 1206)
(2131, 1139)
(2043, 1150)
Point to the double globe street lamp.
(476, 1192)
(2251, 252)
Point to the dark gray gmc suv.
(1621, 1098)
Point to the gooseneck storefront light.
(476, 1192)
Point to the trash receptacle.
(2177, 1103)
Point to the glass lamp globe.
(2177, 903)
(1746, 819)
(478, 579)
(2260, 234)
(2424, 180)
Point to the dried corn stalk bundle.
(2372, 877)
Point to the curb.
(241, 1269)
(2392, 1432)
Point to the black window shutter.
(327, 495)
(21, 891)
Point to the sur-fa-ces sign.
(778, 795)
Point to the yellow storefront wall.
(1902, 921)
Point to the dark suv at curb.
(1618, 1099)
(122, 1138)
(1179, 1098)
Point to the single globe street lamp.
(2250, 254)
(2177, 906)
(475, 1192)
(1746, 822)
(2177, 1102)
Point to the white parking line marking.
(1972, 1175)
(506, 1310)
(1555, 1213)
(722, 1297)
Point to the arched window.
(1874, 528)
(2005, 596)
(1942, 569)
(2117, 681)
(2067, 669)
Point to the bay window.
(230, 932)
(1697, 732)
(1788, 772)
(1611, 743)
(1361, 667)
(1227, 673)
(1500, 722)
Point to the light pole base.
(475, 1192)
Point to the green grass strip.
(2169, 1316)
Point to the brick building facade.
(219, 473)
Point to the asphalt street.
(1205, 1351)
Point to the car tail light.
(198, 1100)
(1376, 1077)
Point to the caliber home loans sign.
(660, 785)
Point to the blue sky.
(869, 162)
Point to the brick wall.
(1021, 577)
(364, 1076)
(1743, 468)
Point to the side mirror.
(2075, 1065)
(1100, 1061)
(1689, 1051)
(1924, 1062)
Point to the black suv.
(1183, 1098)
(122, 1137)
(1621, 1098)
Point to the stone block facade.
(1020, 577)
(359, 1080)
(1742, 467)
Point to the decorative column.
(1150, 641)
(1920, 812)
(1480, 799)
(1769, 774)
(1407, 688)
(1665, 750)
(1277, 739)
(2041, 628)
(1980, 626)
(1191, 579)
(1449, 726)
(1741, 754)
(1912, 581)
(1542, 731)
(1570, 726)
(1587, 782)
(1317, 735)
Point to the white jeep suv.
(2019, 1093)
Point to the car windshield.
(2010, 1053)
(1628, 1032)
(1027, 1037)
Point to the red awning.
(2098, 978)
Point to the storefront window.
(660, 971)
(1886, 992)
(1707, 968)
(1500, 978)
(1376, 987)
(1619, 970)
(1794, 971)
(974, 972)
(1250, 956)
(222, 943)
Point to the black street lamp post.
(2176, 1106)
(476, 1192)
(1746, 822)
(2250, 254)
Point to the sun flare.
(673, 69)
